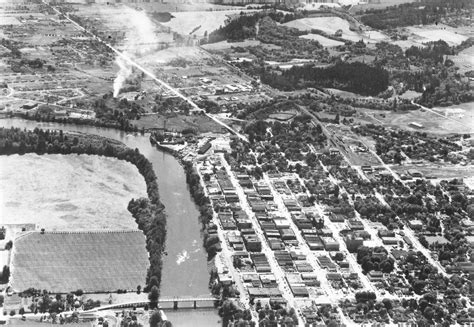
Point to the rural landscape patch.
(91, 261)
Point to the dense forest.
(354, 77)
(148, 212)
(416, 13)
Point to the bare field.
(72, 192)
(202, 124)
(448, 120)
(445, 171)
(93, 262)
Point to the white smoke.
(140, 38)
(124, 72)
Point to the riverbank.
(185, 271)
(210, 243)
(150, 217)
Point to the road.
(410, 234)
(149, 73)
(330, 295)
(275, 268)
(227, 255)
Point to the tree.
(5, 274)
(153, 296)
(155, 319)
(45, 303)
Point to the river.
(185, 271)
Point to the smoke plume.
(124, 72)
(140, 39)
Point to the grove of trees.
(354, 77)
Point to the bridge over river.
(197, 302)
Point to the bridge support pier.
(195, 305)
(175, 305)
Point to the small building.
(416, 224)
(387, 240)
(415, 125)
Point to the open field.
(93, 262)
(202, 124)
(331, 25)
(438, 171)
(464, 60)
(453, 119)
(429, 33)
(382, 4)
(68, 192)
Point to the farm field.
(68, 192)
(330, 25)
(429, 33)
(91, 261)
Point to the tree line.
(416, 13)
(211, 243)
(148, 212)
